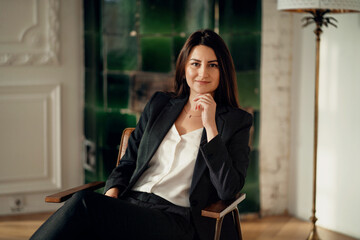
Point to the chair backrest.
(124, 143)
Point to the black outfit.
(93, 216)
(219, 173)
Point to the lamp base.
(313, 234)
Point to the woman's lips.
(202, 82)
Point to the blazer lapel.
(162, 125)
(156, 134)
(200, 164)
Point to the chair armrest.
(63, 196)
(221, 208)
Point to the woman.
(189, 149)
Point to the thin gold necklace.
(190, 114)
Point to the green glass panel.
(110, 126)
(118, 90)
(91, 15)
(194, 15)
(90, 123)
(100, 164)
(106, 158)
(109, 156)
(245, 50)
(94, 95)
(156, 54)
(89, 50)
(121, 52)
(119, 17)
(90, 87)
(156, 16)
(178, 43)
(249, 89)
(179, 16)
(99, 89)
(251, 187)
(92, 46)
(256, 134)
(98, 174)
(240, 16)
(90, 176)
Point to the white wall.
(276, 69)
(338, 190)
(41, 96)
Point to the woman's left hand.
(207, 105)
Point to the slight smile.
(202, 82)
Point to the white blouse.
(171, 168)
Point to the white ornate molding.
(31, 141)
(16, 30)
(34, 39)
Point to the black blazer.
(220, 167)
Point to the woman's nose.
(203, 72)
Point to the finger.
(208, 99)
(200, 104)
(204, 103)
(204, 98)
(203, 95)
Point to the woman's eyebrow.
(197, 60)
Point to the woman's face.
(202, 70)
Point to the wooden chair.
(216, 210)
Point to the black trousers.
(88, 215)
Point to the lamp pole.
(319, 19)
(313, 234)
(318, 9)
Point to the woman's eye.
(213, 65)
(195, 64)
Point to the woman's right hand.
(112, 192)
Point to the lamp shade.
(335, 6)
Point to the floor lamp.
(317, 10)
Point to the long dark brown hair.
(226, 93)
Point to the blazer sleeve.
(121, 175)
(228, 158)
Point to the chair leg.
(236, 216)
(218, 228)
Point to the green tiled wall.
(248, 88)
(240, 16)
(109, 52)
(120, 52)
(118, 91)
(150, 20)
(245, 51)
(156, 54)
(118, 17)
(240, 26)
(125, 37)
